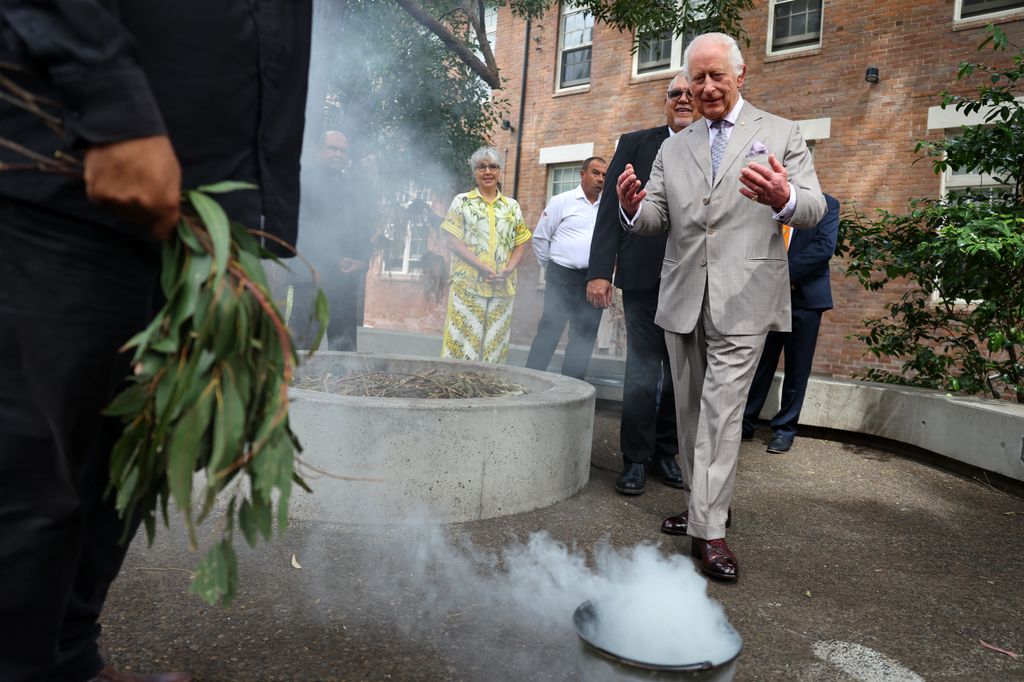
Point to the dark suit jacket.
(809, 253)
(639, 256)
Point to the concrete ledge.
(988, 434)
(446, 459)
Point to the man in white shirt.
(561, 243)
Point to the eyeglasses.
(488, 167)
(676, 94)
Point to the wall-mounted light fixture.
(871, 75)
(507, 125)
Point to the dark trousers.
(70, 295)
(648, 426)
(344, 293)
(798, 346)
(565, 300)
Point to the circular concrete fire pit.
(436, 458)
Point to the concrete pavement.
(855, 564)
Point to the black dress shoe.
(779, 444)
(676, 525)
(716, 559)
(747, 435)
(668, 471)
(632, 479)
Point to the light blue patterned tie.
(718, 146)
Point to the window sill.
(640, 79)
(794, 54)
(575, 90)
(399, 277)
(983, 21)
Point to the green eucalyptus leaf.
(128, 402)
(215, 220)
(247, 523)
(188, 237)
(226, 186)
(183, 453)
(262, 515)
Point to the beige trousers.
(712, 374)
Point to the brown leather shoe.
(717, 560)
(111, 675)
(676, 525)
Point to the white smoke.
(652, 607)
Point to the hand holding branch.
(138, 179)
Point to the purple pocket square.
(757, 149)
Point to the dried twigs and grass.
(426, 384)
(212, 371)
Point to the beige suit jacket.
(720, 238)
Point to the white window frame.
(566, 9)
(770, 45)
(675, 59)
(994, 14)
(406, 271)
(575, 166)
(491, 25)
(949, 120)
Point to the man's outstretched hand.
(139, 180)
(768, 185)
(627, 187)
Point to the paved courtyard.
(855, 564)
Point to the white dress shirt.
(565, 230)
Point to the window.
(663, 52)
(574, 49)
(407, 232)
(962, 179)
(794, 24)
(562, 178)
(970, 9)
(491, 25)
(654, 52)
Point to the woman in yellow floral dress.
(487, 236)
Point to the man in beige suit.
(722, 188)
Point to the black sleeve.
(604, 245)
(91, 60)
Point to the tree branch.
(487, 71)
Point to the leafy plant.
(959, 323)
(210, 394)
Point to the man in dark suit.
(647, 431)
(809, 252)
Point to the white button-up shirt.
(565, 230)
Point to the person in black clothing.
(154, 96)
(337, 231)
(647, 431)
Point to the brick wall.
(865, 162)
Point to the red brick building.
(806, 61)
